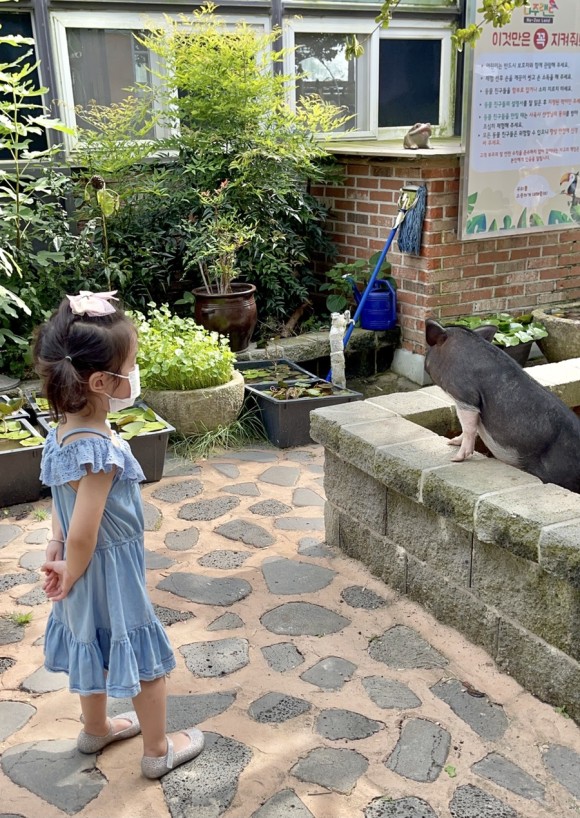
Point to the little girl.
(102, 629)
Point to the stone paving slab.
(321, 692)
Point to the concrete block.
(440, 395)
(382, 557)
(453, 605)
(559, 551)
(355, 492)
(358, 442)
(514, 520)
(421, 408)
(456, 490)
(562, 379)
(543, 604)
(539, 667)
(325, 424)
(434, 539)
(404, 465)
(331, 524)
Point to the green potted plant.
(515, 334)
(284, 407)
(212, 242)
(187, 373)
(20, 451)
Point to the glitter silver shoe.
(155, 767)
(87, 743)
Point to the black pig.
(520, 422)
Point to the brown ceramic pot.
(233, 314)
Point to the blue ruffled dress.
(105, 633)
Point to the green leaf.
(132, 429)
(557, 217)
(32, 441)
(450, 770)
(477, 224)
(471, 202)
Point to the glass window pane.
(21, 23)
(409, 75)
(324, 70)
(104, 63)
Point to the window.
(103, 63)
(21, 23)
(415, 77)
(320, 65)
(405, 75)
(98, 57)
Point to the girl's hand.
(59, 580)
(54, 550)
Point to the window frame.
(61, 20)
(364, 28)
(401, 29)
(428, 30)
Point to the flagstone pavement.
(321, 692)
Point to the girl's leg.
(94, 709)
(151, 707)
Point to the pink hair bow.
(92, 304)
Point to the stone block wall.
(486, 548)
(450, 277)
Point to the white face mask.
(117, 404)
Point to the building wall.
(450, 277)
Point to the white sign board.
(523, 147)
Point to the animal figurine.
(417, 136)
(496, 398)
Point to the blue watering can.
(379, 311)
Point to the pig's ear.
(434, 332)
(487, 332)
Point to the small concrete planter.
(199, 410)
(20, 469)
(563, 339)
(287, 422)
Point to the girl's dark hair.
(68, 348)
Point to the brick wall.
(450, 277)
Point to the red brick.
(506, 292)
(363, 230)
(493, 256)
(476, 295)
(525, 252)
(551, 250)
(368, 182)
(458, 261)
(540, 287)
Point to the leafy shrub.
(222, 86)
(177, 354)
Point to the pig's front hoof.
(455, 441)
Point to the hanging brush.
(409, 239)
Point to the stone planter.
(563, 339)
(199, 410)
